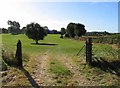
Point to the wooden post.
(18, 55)
(89, 51)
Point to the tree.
(35, 31)
(70, 29)
(75, 29)
(79, 30)
(14, 27)
(54, 31)
(3, 30)
(23, 30)
(62, 32)
(0, 30)
(46, 30)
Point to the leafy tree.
(35, 31)
(79, 30)
(62, 32)
(14, 27)
(54, 31)
(3, 30)
(0, 31)
(46, 30)
(70, 29)
(23, 30)
(75, 29)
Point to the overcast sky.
(96, 16)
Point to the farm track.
(41, 76)
(44, 78)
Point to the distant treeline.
(104, 33)
(73, 30)
(14, 29)
(22, 31)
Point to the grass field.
(51, 44)
(56, 56)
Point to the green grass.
(64, 46)
(105, 51)
(57, 68)
(60, 71)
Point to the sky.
(96, 16)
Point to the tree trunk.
(61, 36)
(36, 41)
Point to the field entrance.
(53, 62)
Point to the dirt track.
(44, 78)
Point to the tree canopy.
(35, 31)
(75, 29)
(79, 29)
(63, 31)
(70, 29)
(14, 27)
(3, 30)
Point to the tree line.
(37, 32)
(14, 29)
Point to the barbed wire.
(79, 51)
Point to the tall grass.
(8, 58)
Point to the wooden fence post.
(18, 55)
(89, 51)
